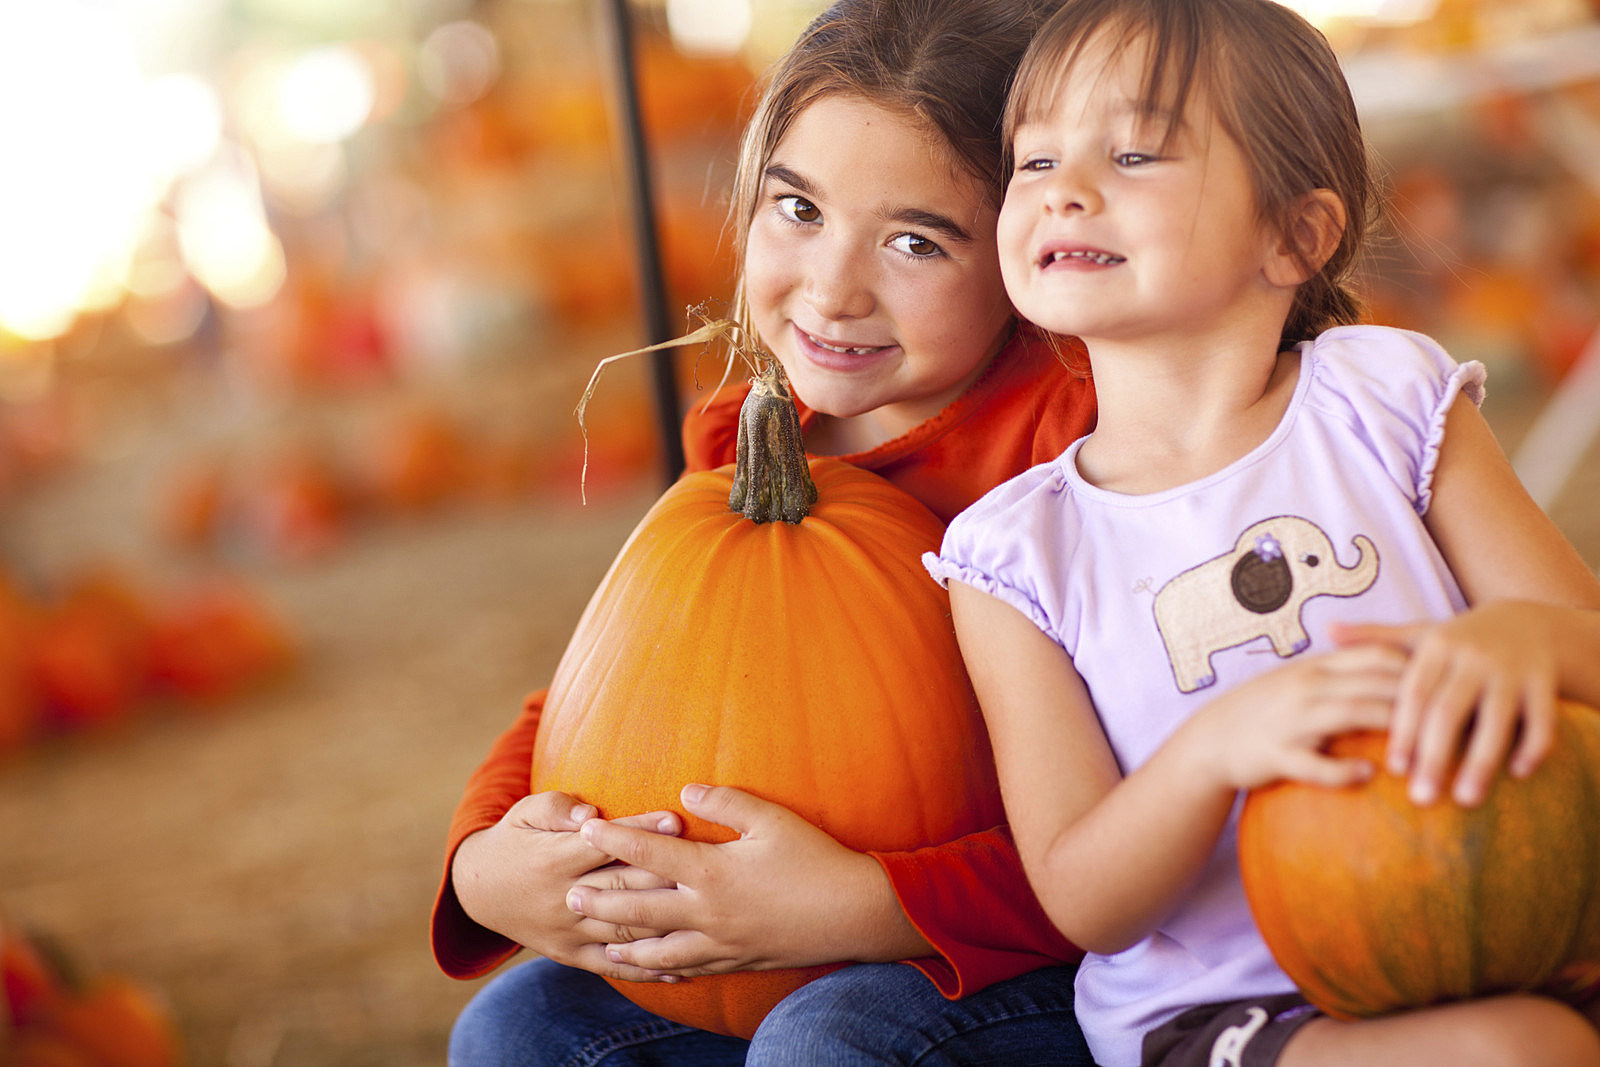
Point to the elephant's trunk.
(1357, 578)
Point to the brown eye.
(798, 208)
(914, 244)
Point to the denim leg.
(889, 1013)
(542, 1014)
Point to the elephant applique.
(1256, 590)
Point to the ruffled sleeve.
(1009, 542)
(1395, 389)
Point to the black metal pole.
(647, 243)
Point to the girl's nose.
(1070, 190)
(838, 282)
(839, 291)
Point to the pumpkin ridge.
(921, 751)
(1582, 966)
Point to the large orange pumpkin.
(810, 661)
(1373, 904)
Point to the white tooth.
(836, 348)
(1101, 258)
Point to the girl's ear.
(1312, 236)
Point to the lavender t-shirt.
(1167, 599)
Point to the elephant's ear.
(1262, 582)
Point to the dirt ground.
(270, 866)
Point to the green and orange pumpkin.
(1373, 904)
(746, 636)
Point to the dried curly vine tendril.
(709, 331)
(771, 479)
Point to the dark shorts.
(1241, 1033)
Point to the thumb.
(726, 806)
(552, 810)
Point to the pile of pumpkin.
(56, 1014)
(301, 499)
(103, 648)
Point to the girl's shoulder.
(1390, 390)
(1048, 368)
(1019, 542)
(1037, 388)
(1390, 369)
(1033, 507)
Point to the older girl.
(865, 209)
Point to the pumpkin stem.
(771, 479)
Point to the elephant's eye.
(1310, 560)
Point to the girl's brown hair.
(1276, 88)
(948, 63)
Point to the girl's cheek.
(759, 283)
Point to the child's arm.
(1110, 856)
(1533, 631)
(509, 864)
(514, 877)
(462, 947)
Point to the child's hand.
(1488, 673)
(783, 894)
(514, 878)
(1274, 726)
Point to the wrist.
(466, 876)
(885, 933)
(1198, 759)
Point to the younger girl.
(865, 209)
(1190, 601)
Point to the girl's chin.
(824, 390)
(841, 403)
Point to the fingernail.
(613, 955)
(1423, 793)
(666, 824)
(670, 979)
(694, 794)
(574, 902)
(582, 812)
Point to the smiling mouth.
(1103, 259)
(842, 349)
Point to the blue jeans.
(541, 1014)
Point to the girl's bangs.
(1171, 45)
